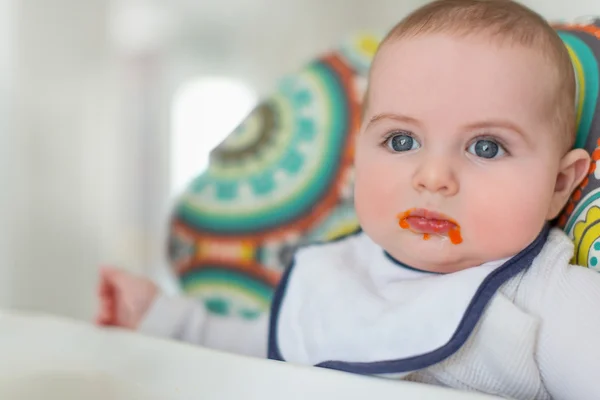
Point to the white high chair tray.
(51, 358)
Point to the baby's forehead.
(449, 62)
(442, 44)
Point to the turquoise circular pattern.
(228, 292)
(279, 162)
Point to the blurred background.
(109, 107)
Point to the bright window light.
(204, 112)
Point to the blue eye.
(486, 148)
(402, 142)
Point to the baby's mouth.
(427, 222)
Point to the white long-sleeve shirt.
(187, 320)
(538, 338)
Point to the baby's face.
(461, 127)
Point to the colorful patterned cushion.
(581, 217)
(284, 178)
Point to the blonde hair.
(504, 21)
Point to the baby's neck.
(489, 264)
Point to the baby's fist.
(124, 298)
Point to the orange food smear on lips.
(403, 223)
(453, 234)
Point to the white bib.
(348, 305)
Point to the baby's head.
(470, 113)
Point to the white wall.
(6, 134)
(559, 10)
(62, 149)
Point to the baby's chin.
(434, 253)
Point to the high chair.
(284, 178)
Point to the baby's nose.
(436, 175)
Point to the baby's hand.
(124, 298)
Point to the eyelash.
(388, 136)
(391, 134)
(491, 138)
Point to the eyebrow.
(490, 123)
(499, 123)
(395, 117)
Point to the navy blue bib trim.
(473, 313)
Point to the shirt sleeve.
(187, 320)
(569, 337)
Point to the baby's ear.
(573, 168)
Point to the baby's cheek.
(372, 197)
(505, 221)
(379, 193)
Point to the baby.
(456, 278)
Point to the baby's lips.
(430, 222)
(431, 226)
